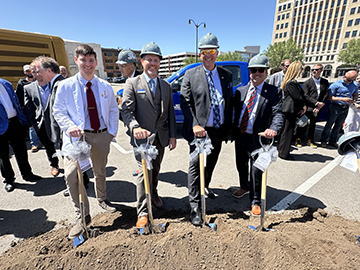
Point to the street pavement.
(313, 179)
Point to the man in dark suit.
(148, 111)
(316, 92)
(37, 109)
(12, 130)
(206, 94)
(127, 64)
(258, 108)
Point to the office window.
(340, 24)
(279, 8)
(320, 7)
(304, 40)
(287, 15)
(306, 59)
(357, 21)
(326, 37)
(296, 3)
(108, 60)
(109, 67)
(312, 49)
(285, 34)
(295, 13)
(276, 36)
(283, 17)
(314, 39)
(336, 14)
(306, 30)
(345, 2)
(330, 15)
(342, 13)
(320, 58)
(327, 57)
(299, 40)
(354, 33)
(326, 5)
(324, 17)
(322, 27)
(354, 1)
(308, 20)
(332, 57)
(278, 18)
(308, 49)
(318, 49)
(358, 10)
(289, 5)
(116, 67)
(310, 58)
(335, 46)
(284, 7)
(347, 34)
(332, 37)
(317, 58)
(282, 26)
(334, 26)
(286, 25)
(277, 27)
(328, 27)
(332, 4)
(301, 31)
(352, 11)
(329, 47)
(304, 11)
(338, 4)
(324, 48)
(309, 10)
(280, 36)
(350, 22)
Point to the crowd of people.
(61, 109)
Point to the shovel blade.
(212, 226)
(78, 240)
(260, 228)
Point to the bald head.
(350, 76)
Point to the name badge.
(141, 91)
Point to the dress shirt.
(317, 83)
(253, 112)
(95, 90)
(53, 79)
(276, 79)
(132, 76)
(217, 84)
(44, 95)
(342, 89)
(148, 80)
(7, 103)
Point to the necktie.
(92, 108)
(247, 112)
(214, 101)
(152, 86)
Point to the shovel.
(349, 142)
(151, 228)
(263, 191)
(200, 144)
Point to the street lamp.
(196, 41)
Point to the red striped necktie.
(92, 108)
(248, 110)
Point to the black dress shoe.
(32, 178)
(195, 217)
(9, 187)
(209, 193)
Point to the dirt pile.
(303, 239)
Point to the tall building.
(321, 27)
(171, 63)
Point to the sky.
(132, 24)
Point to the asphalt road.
(313, 179)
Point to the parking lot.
(313, 179)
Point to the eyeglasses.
(286, 66)
(315, 69)
(260, 70)
(205, 52)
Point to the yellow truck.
(20, 48)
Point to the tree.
(351, 55)
(230, 56)
(189, 60)
(284, 50)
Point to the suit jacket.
(195, 100)
(4, 121)
(36, 114)
(311, 94)
(69, 106)
(138, 109)
(294, 99)
(269, 110)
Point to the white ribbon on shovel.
(146, 151)
(267, 154)
(201, 143)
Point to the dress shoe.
(157, 202)
(34, 149)
(323, 144)
(32, 177)
(255, 210)
(9, 187)
(142, 222)
(55, 171)
(106, 205)
(195, 217)
(66, 193)
(239, 193)
(209, 193)
(333, 144)
(78, 228)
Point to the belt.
(341, 106)
(98, 131)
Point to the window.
(314, 39)
(338, 4)
(295, 13)
(332, 4)
(317, 58)
(309, 39)
(278, 18)
(280, 36)
(320, 8)
(301, 31)
(318, 49)
(109, 67)
(306, 59)
(332, 57)
(277, 27)
(310, 58)
(332, 37)
(354, 1)
(287, 15)
(308, 20)
(358, 10)
(304, 40)
(354, 33)
(328, 27)
(296, 3)
(309, 10)
(342, 13)
(337, 35)
(308, 49)
(330, 15)
(327, 57)
(306, 30)
(284, 7)
(335, 46)
(324, 48)
(279, 8)
(326, 37)
(347, 34)
(304, 11)
(357, 21)
(326, 5)
(276, 36)
(320, 58)
(108, 54)
(117, 67)
(289, 5)
(352, 11)
(334, 26)
(336, 14)
(299, 40)
(329, 47)
(282, 26)
(283, 17)
(322, 28)
(108, 60)
(286, 25)
(285, 34)
(315, 8)
(340, 24)
(350, 22)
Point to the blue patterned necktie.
(214, 101)
(152, 86)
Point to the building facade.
(173, 62)
(110, 56)
(321, 27)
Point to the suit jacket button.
(155, 112)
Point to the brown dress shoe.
(54, 171)
(141, 222)
(157, 202)
(239, 193)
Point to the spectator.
(352, 121)
(277, 78)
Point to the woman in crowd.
(293, 107)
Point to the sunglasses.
(315, 69)
(260, 70)
(286, 66)
(205, 52)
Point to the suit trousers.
(15, 136)
(245, 144)
(100, 148)
(287, 134)
(310, 127)
(49, 146)
(216, 136)
(153, 178)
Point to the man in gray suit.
(206, 93)
(39, 98)
(148, 111)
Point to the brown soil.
(303, 239)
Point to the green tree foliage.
(229, 56)
(284, 50)
(351, 55)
